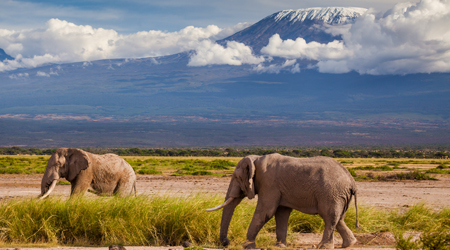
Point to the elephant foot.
(225, 242)
(325, 245)
(280, 245)
(349, 242)
(249, 245)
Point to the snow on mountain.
(330, 15)
(291, 24)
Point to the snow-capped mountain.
(290, 24)
(330, 15)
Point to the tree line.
(241, 152)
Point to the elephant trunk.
(227, 214)
(48, 182)
(232, 199)
(50, 189)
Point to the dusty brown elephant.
(105, 174)
(317, 185)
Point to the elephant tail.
(134, 187)
(356, 207)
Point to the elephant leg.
(81, 184)
(281, 218)
(331, 218)
(79, 188)
(348, 239)
(124, 188)
(264, 211)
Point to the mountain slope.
(4, 56)
(290, 24)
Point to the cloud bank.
(409, 38)
(62, 41)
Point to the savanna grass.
(141, 165)
(23, 165)
(181, 167)
(140, 220)
(163, 220)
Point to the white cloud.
(289, 65)
(409, 38)
(299, 49)
(19, 76)
(231, 30)
(41, 73)
(209, 52)
(62, 41)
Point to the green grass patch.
(163, 220)
(23, 165)
(412, 175)
(377, 168)
(437, 171)
(191, 170)
(181, 167)
(63, 183)
(141, 165)
(442, 166)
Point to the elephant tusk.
(221, 206)
(52, 186)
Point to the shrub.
(148, 171)
(405, 244)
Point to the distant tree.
(441, 155)
(326, 152)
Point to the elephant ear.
(78, 160)
(246, 173)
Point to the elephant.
(106, 174)
(316, 185)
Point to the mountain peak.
(291, 24)
(330, 15)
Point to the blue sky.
(131, 16)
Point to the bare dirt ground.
(386, 195)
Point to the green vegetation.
(23, 165)
(180, 167)
(161, 221)
(378, 168)
(219, 166)
(432, 153)
(411, 175)
(437, 171)
(63, 183)
(141, 165)
(442, 166)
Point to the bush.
(438, 239)
(442, 166)
(221, 164)
(405, 244)
(148, 171)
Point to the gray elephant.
(317, 185)
(105, 174)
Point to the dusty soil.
(387, 195)
(380, 194)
